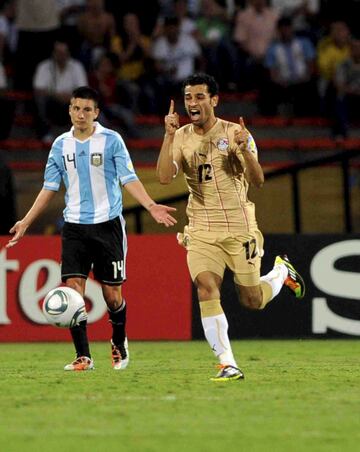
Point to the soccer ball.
(64, 307)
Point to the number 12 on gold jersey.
(205, 172)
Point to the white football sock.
(275, 279)
(216, 333)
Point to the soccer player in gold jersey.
(219, 160)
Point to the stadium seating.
(280, 139)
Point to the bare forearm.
(41, 202)
(137, 191)
(161, 214)
(165, 166)
(254, 172)
(20, 227)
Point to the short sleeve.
(124, 167)
(52, 176)
(251, 146)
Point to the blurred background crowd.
(302, 57)
(275, 60)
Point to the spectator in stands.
(8, 41)
(97, 29)
(254, 30)
(175, 57)
(194, 6)
(290, 61)
(332, 50)
(38, 24)
(7, 198)
(302, 12)
(174, 53)
(179, 9)
(104, 81)
(147, 12)
(70, 11)
(54, 81)
(133, 50)
(346, 10)
(212, 33)
(7, 106)
(3, 78)
(347, 83)
(187, 24)
(8, 32)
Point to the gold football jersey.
(218, 199)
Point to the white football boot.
(120, 355)
(80, 363)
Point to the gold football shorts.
(214, 251)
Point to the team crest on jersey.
(96, 159)
(222, 144)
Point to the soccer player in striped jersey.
(219, 160)
(92, 162)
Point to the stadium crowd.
(302, 57)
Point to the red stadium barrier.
(25, 144)
(18, 95)
(157, 308)
(255, 121)
(27, 166)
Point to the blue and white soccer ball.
(64, 307)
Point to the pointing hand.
(242, 134)
(171, 120)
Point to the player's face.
(83, 113)
(199, 104)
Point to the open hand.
(161, 214)
(19, 230)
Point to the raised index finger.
(241, 122)
(172, 107)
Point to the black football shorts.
(98, 247)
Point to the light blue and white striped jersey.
(91, 171)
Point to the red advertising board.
(157, 291)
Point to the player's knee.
(252, 302)
(208, 286)
(112, 304)
(208, 292)
(112, 296)
(76, 284)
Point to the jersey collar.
(98, 129)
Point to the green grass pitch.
(300, 395)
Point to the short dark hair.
(201, 78)
(85, 92)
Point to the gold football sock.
(267, 293)
(272, 283)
